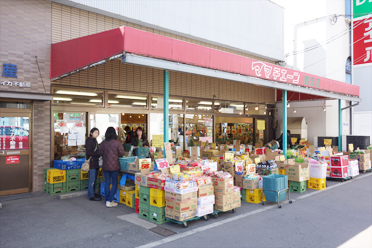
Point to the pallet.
(339, 179)
(365, 171)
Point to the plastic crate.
(46, 173)
(68, 165)
(144, 198)
(144, 190)
(157, 193)
(157, 201)
(84, 175)
(297, 187)
(56, 176)
(316, 183)
(157, 218)
(84, 184)
(137, 191)
(55, 189)
(254, 196)
(73, 186)
(281, 171)
(124, 162)
(243, 194)
(73, 175)
(143, 152)
(275, 182)
(157, 210)
(272, 196)
(144, 213)
(136, 206)
(131, 200)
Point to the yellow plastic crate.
(130, 202)
(317, 183)
(84, 175)
(157, 192)
(56, 176)
(123, 196)
(281, 171)
(157, 201)
(254, 196)
(137, 191)
(130, 194)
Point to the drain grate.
(162, 231)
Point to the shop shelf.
(73, 186)
(84, 184)
(136, 206)
(281, 171)
(297, 187)
(84, 175)
(144, 190)
(56, 176)
(73, 175)
(157, 192)
(124, 162)
(137, 191)
(144, 198)
(68, 165)
(316, 183)
(144, 213)
(157, 201)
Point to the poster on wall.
(208, 122)
(12, 159)
(260, 124)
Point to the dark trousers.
(110, 176)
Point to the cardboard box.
(339, 160)
(195, 152)
(179, 216)
(251, 184)
(364, 165)
(223, 185)
(229, 167)
(238, 180)
(227, 202)
(204, 210)
(155, 183)
(182, 206)
(298, 172)
(353, 168)
(339, 172)
(205, 201)
(133, 167)
(141, 179)
(180, 197)
(205, 190)
(208, 155)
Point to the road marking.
(134, 219)
(215, 224)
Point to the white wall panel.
(254, 27)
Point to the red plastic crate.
(338, 161)
(339, 172)
(136, 206)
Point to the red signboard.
(12, 159)
(362, 40)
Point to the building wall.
(253, 27)
(25, 32)
(116, 75)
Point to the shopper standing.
(280, 139)
(110, 150)
(91, 150)
(130, 135)
(139, 140)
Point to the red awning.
(71, 55)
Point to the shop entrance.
(234, 128)
(15, 152)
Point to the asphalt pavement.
(328, 218)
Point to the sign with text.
(260, 125)
(12, 160)
(361, 8)
(144, 163)
(362, 41)
(327, 142)
(229, 156)
(239, 166)
(162, 163)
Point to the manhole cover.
(162, 231)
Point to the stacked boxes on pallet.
(252, 191)
(181, 204)
(227, 196)
(298, 175)
(353, 168)
(339, 166)
(205, 200)
(157, 206)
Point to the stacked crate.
(157, 206)
(73, 180)
(144, 203)
(54, 181)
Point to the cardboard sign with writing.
(239, 166)
(144, 164)
(229, 156)
(257, 160)
(335, 149)
(167, 146)
(250, 169)
(312, 149)
(237, 145)
(162, 163)
(351, 147)
(157, 141)
(194, 152)
(327, 142)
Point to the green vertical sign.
(361, 8)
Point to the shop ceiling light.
(131, 97)
(288, 105)
(62, 99)
(175, 100)
(204, 107)
(77, 93)
(256, 108)
(264, 112)
(175, 106)
(294, 111)
(324, 109)
(237, 105)
(205, 103)
(113, 101)
(139, 103)
(96, 100)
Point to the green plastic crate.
(157, 218)
(73, 175)
(56, 189)
(84, 184)
(243, 193)
(157, 210)
(297, 187)
(144, 190)
(72, 186)
(144, 198)
(144, 213)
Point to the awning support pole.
(166, 105)
(339, 125)
(285, 141)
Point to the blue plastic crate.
(273, 197)
(143, 152)
(275, 182)
(68, 165)
(124, 162)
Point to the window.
(77, 97)
(255, 109)
(201, 105)
(125, 100)
(19, 105)
(199, 127)
(14, 133)
(174, 103)
(228, 107)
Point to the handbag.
(86, 165)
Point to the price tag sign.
(351, 147)
(257, 160)
(175, 168)
(328, 142)
(229, 156)
(167, 146)
(162, 163)
(250, 169)
(239, 166)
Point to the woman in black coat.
(91, 149)
(139, 135)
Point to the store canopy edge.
(174, 66)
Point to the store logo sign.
(9, 70)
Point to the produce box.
(223, 185)
(205, 201)
(205, 190)
(181, 206)
(180, 197)
(340, 160)
(204, 210)
(180, 215)
(68, 165)
(339, 172)
(251, 183)
(298, 172)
